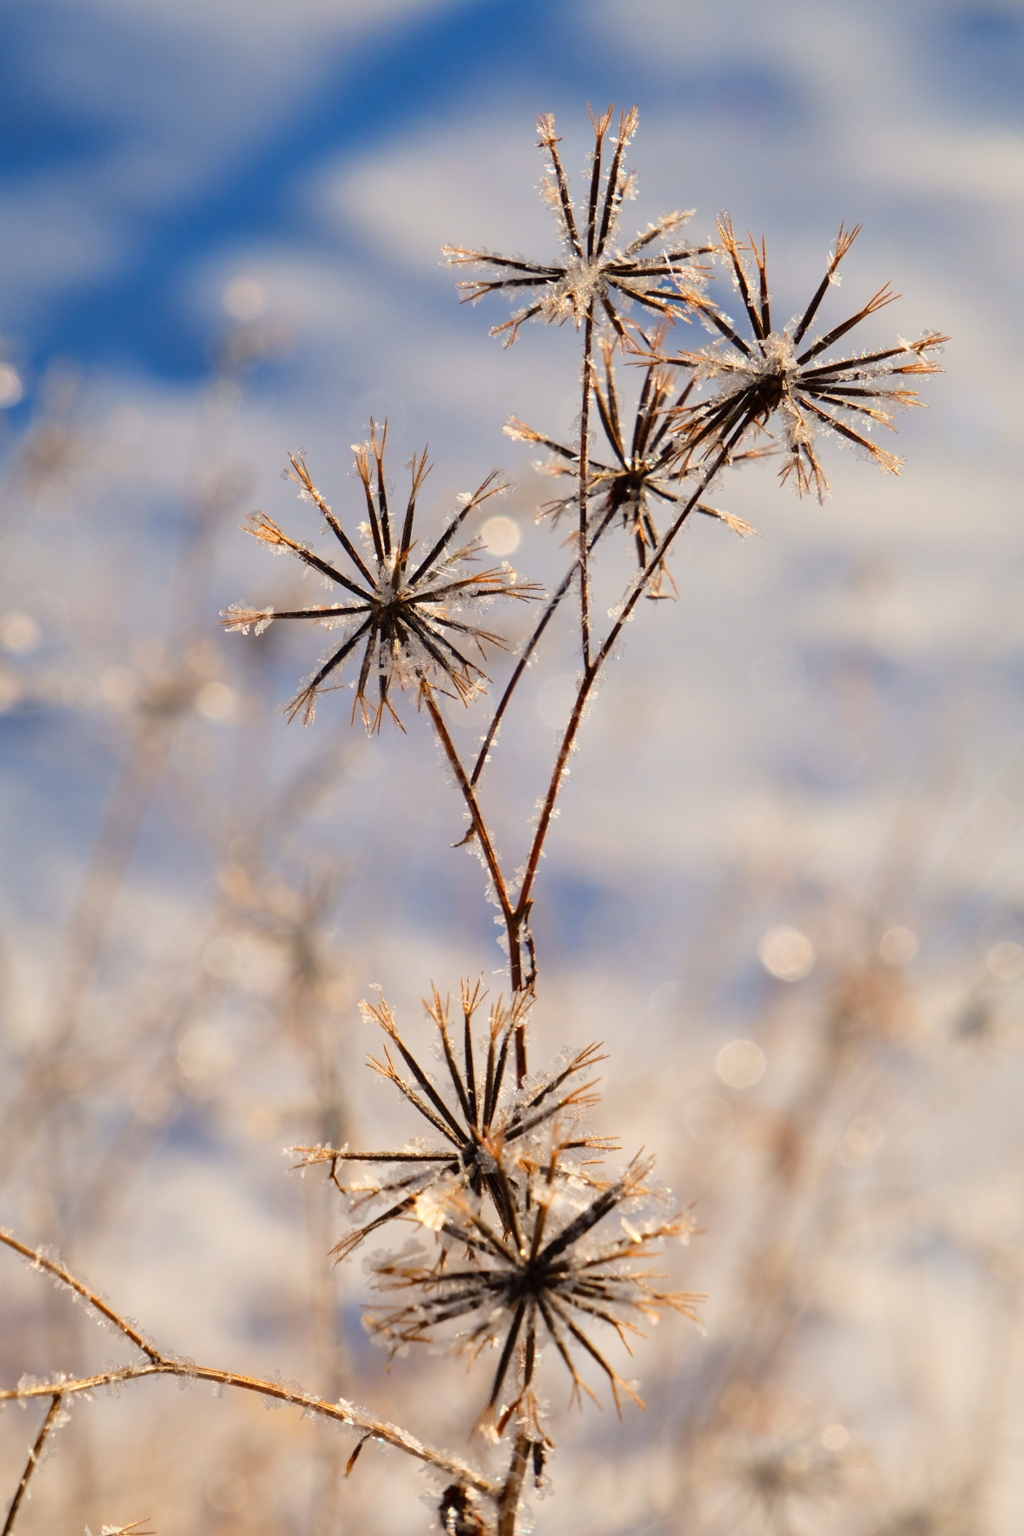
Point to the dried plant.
(594, 277)
(650, 463)
(481, 1124)
(770, 377)
(406, 617)
(544, 1267)
(520, 1238)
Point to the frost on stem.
(593, 278)
(133, 1528)
(241, 617)
(411, 616)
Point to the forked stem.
(513, 917)
(640, 583)
(528, 650)
(159, 1364)
(516, 917)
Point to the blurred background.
(785, 887)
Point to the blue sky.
(324, 151)
(233, 124)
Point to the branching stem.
(514, 917)
(639, 585)
(529, 648)
(159, 1364)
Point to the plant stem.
(159, 1364)
(42, 1261)
(508, 1502)
(590, 675)
(513, 918)
(528, 650)
(588, 354)
(30, 1465)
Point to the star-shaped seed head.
(593, 278)
(777, 377)
(508, 1195)
(412, 614)
(646, 464)
(555, 1270)
(477, 1118)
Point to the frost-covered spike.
(241, 617)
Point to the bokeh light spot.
(501, 535)
(787, 954)
(898, 946)
(10, 387)
(244, 298)
(740, 1064)
(1005, 961)
(19, 634)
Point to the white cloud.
(465, 182)
(867, 142)
(182, 90)
(979, 165)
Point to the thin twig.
(511, 919)
(33, 1461)
(160, 1364)
(529, 648)
(40, 1260)
(342, 1412)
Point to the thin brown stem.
(528, 650)
(53, 1267)
(588, 354)
(639, 585)
(341, 1412)
(33, 1461)
(510, 915)
(159, 1364)
(511, 1492)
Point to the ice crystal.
(648, 465)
